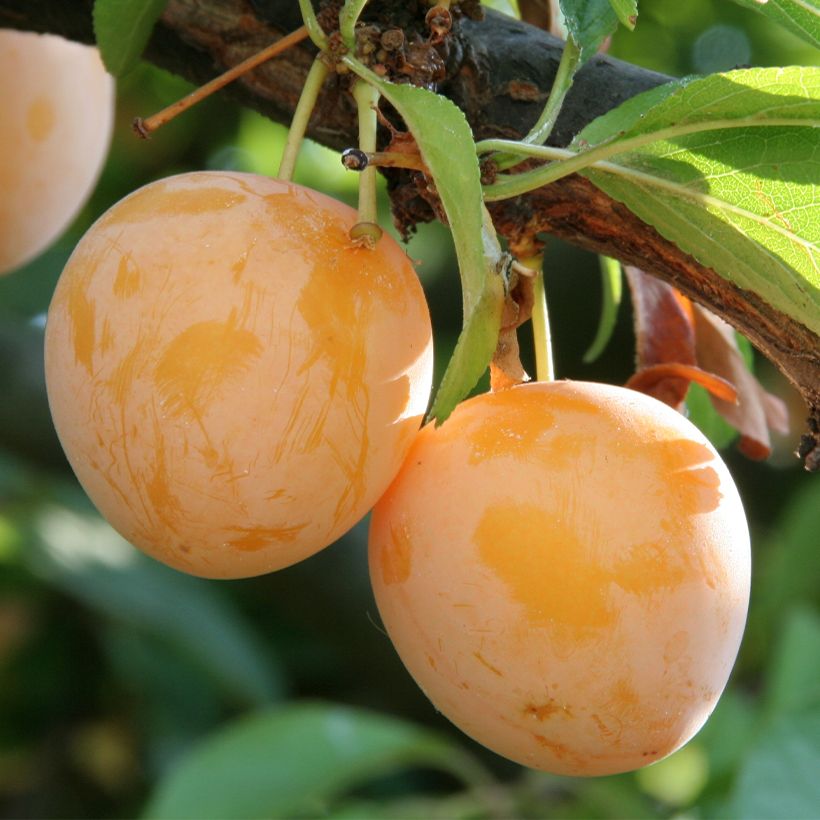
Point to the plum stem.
(542, 337)
(301, 116)
(367, 230)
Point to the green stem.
(612, 286)
(315, 31)
(367, 98)
(539, 133)
(304, 108)
(542, 338)
(510, 185)
(348, 18)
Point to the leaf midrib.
(810, 9)
(686, 192)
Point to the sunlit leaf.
(275, 763)
(727, 167)
(122, 29)
(801, 17)
(504, 6)
(627, 11)
(445, 141)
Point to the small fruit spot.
(397, 556)
(252, 539)
(558, 749)
(484, 662)
(543, 711)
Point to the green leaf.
(756, 97)
(504, 6)
(611, 288)
(88, 560)
(702, 414)
(274, 763)
(787, 571)
(801, 17)
(445, 141)
(727, 168)
(590, 22)
(627, 11)
(122, 29)
(728, 733)
(794, 678)
(779, 777)
(173, 703)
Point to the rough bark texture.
(499, 72)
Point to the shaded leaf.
(756, 410)
(726, 167)
(172, 700)
(88, 560)
(801, 17)
(465, 806)
(445, 141)
(779, 777)
(277, 762)
(728, 733)
(589, 22)
(788, 568)
(612, 288)
(122, 29)
(793, 683)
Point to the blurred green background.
(127, 688)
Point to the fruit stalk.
(367, 228)
(304, 108)
(542, 337)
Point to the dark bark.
(499, 72)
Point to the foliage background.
(113, 668)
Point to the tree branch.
(499, 72)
